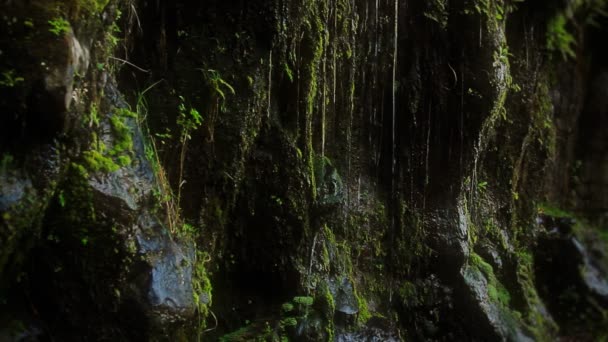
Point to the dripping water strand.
(461, 114)
(473, 176)
(334, 54)
(359, 190)
(376, 32)
(298, 87)
(394, 93)
(312, 256)
(324, 91)
(269, 82)
(426, 162)
(351, 100)
(394, 110)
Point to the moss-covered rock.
(317, 170)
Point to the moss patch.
(103, 159)
(496, 291)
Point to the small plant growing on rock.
(9, 79)
(218, 85)
(482, 186)
(59, 26)
(188, 121)
(559, 38)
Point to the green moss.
(316, 34)
(201, 286)
(328, 308)
(364, 314)
(93, 116)
(499, 294)
(286, 307)
(238, 335)
(496, 291)
(554, 211)
(123, 137)
(288, 71)
(525, 258)
(260, 332)
(79, 170)
(289, 322)
(96, 161)
(123, 160)
(303, 300)
(482, 265)
(99, 158)
(582, 228)
(535, 320)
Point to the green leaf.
(227, 86)
(61, 199)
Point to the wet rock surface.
(313, 170)
(450, 237)
(146, 270)
(493, 320)
(375, 331)
(346, 303)
(107, 250)
(571, 276)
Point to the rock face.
(571, 271)
(303, 170)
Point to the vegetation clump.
(201, 289)
(59, 26)
(564, 27)
(104, 159)
(559, 38)
(496, 291)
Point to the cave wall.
(315, 170)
